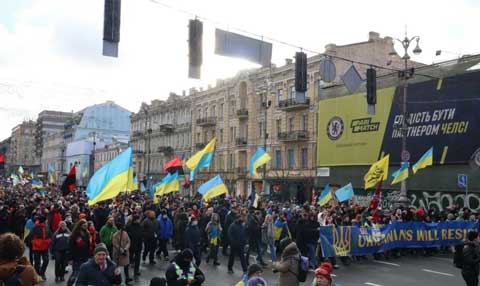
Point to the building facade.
(107, 153)
(161, 131)
(48, 123)
(22, 147)
(53, 154)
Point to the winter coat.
(91, 275)
(254, 230)
(54, 219)
(40, 237)
(106, 234)
(192, 237)
(268, 237)
(288, 266)
(121, 247)
(471, 259)
(61, 241)
(80, 248)
(237, 235)
(180, 227)
(165, 228)
(213, 231)
(150, 228)
(180, 268)
(135, 233)
(28, 276)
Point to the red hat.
(324, 270)
(82, 216)
(420, 212)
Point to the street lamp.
(405, 75)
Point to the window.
(290, 124)
(291, 159)
(220, 162)
(221, 135)
(304, 156)
(278, 159)
(233, 108)
(305, 122)
(231, 161)
(280, 94)
(292, 92)
(260, 129)
(220, 111)
(232, 136)
(214, 110)
(279, 126)
(198, 137)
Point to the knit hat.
(256, 281)
(420, 212)
(101, 247)
(252, 268)
(324, 271)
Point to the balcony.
(241, 142)
(182, 126)
(207, 121)
(138, 152)
(137, 133)
(297, 135)
(242, 113)
(241, 172)
(166, 128)
(292, 104)
(200, 145)
(166, 150)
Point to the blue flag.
(345, 193)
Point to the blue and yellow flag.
(425, 160)
(167, 185)
(212, 188)
(254, 199)
(202, 158)
(113, 178)
(258, 159)
(37, 184)
(51, 174)
(278, 226)
(325, 196)
(400, 174)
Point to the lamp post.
(406, 74)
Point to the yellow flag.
(377, 171)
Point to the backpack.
(13, 280)
(458, 256)
(303, 267)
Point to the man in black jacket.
(182, 271)
(229, 219)
(150, 228)
(254, 230)
(471, 259)
(238, 240)
(135, 233)
(99, 271)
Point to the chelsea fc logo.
(335, 128)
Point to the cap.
(101, 247)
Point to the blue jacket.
(165, 228)
(90, 274)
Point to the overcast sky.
(50, 50)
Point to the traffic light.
(111, 21)
(195, 34)
(371, 86)
(300, 72)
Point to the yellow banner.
(347, 134)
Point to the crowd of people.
(98, 240)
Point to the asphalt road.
(408, 270)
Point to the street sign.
(462, 181)
(405, 156)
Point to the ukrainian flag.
(168, 184)
(400, 174)
(51, 172)
(202, 158)
(278, 227)
(258, 159)
(213, 188)
(325, 196)
(425, 160)
(37, 184)
(113, 178)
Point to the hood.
(180, 259)
(291, 250)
